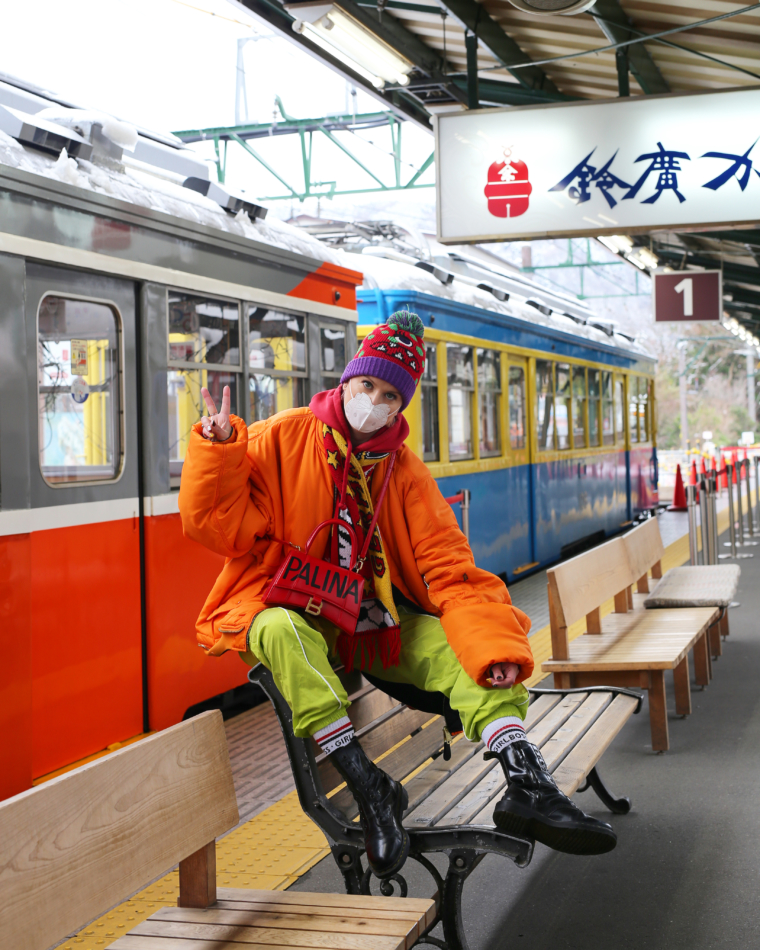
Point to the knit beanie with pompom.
(393, 352)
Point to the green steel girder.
(475, 18)
(510, 94)
(613, 21)
(587, 264)
(305, 129)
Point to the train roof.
(398, 259)
(43, 134)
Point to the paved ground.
(685, 873)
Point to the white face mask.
(362, 415)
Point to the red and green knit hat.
(393, 352)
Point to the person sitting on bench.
(429, 617)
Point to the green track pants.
(297, 654)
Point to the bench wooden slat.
(549, 724)
(378, 739)
(582, 759)
(439, 801)
(438, 772)
(488, 787)
(539, 708)
(82, 842)
(647, 641)
(132, 941)
(369, 706)
(169, 931)
(644, 547)
(567, 736)
(419, 905)
(588, 580)
(408, 915)
(290, 922)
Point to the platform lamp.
(337, 32)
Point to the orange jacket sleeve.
(218, 505)
(480, 622)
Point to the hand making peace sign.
(216, 426)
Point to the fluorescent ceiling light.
(338, 33)
(617, 243)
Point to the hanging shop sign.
(589, 168)
(687, 295)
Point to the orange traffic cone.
(679, 493)
(703, 467)
(734, 462)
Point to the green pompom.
(405, 320)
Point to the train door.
(85, 626)
(519, 496)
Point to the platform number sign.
(687, 295)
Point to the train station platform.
(683, 874)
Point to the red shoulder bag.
(320, 588)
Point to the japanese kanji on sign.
(591, 168)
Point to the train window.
(594, 404)
(545, 405)
(79, 391)
(489, 397)
(186, 406)
(608, 422)
(643, 409)
(276, 361)
(461, 380)
(517, 407)
(579, 407)
(332, 349)
(563, 408)
(429, 395)
(633, 407)
(203, 330)
(619, 409)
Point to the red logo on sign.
(508, 189)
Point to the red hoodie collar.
(328, 408)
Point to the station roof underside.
(512, 52)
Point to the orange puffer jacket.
(272, 481)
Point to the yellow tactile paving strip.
(277, 846)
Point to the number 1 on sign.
(686, 287)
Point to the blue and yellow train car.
(551, 431)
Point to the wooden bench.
(74, 847)
(712, 585)
(631, 647)
(450, 802)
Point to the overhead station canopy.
(414, 55)
(431, 56)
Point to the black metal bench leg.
(349, 860)
(461, 865)
(618, 806)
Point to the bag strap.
(341, 523)
(386, 481)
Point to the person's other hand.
(216, 426)
(503, 675)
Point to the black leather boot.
(533, 807)
(382, 802)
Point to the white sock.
(500, 733)
(337, 734)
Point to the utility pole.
(682, 393)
